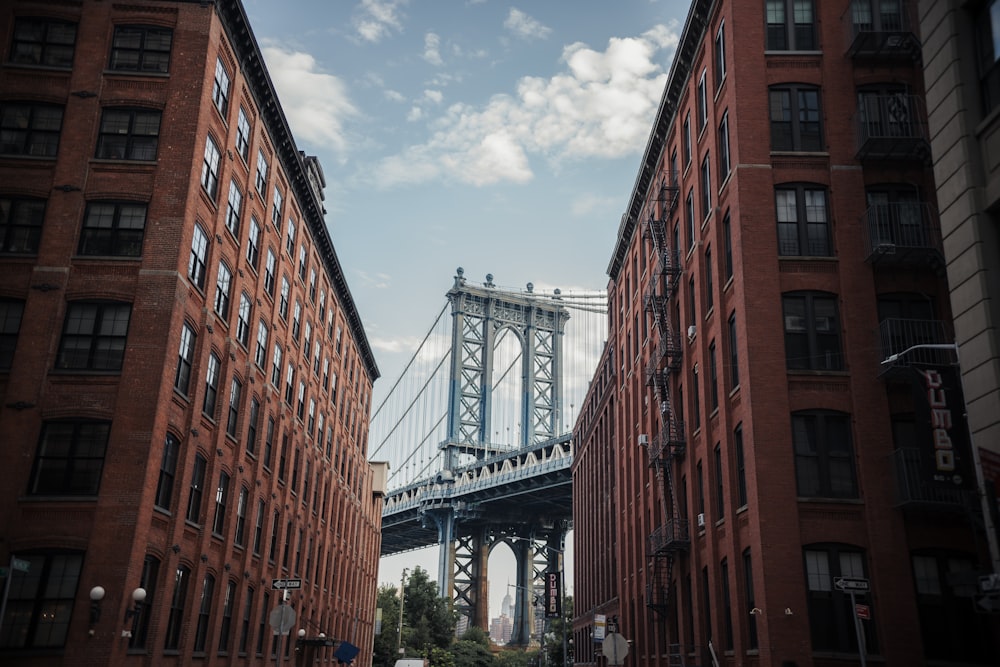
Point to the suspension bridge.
(478, 437)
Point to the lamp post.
(991, 534)
(402, 598)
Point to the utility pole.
(402, 598)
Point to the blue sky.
(503, 137)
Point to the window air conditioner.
(643, 439)
(701, 520)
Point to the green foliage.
(384, 652)
(478, 636)
(472, 654)
(553, 645)
(440, 657)
(428, 620)
(516, 658)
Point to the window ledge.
(131, 74)
(54, 69)
(49, 498)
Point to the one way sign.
(285, 584)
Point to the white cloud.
(432, 49)
(376, 19)
(393, 345)
(393, 95)
(525, 27)
(414, 114)
(315, 103)
(434, 96)
(375, 280)
(601, 105)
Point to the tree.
(553, 646)
(428, 620)
(469, 653)
(384, 652)
(513, 657)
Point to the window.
(199, 257)
(706, 188)
(223, 282)
(241, 517)
(803, 225)
(312, 287)
(269, 442)
(113, 229)
(260, 353)
(895, 216)
(734, 353)
(286, 288)
(727, 238)
(988, 43)
(243, 135)
(795, 118)
(175, 615)
(748, 588)
(695, 405)
(227, 617)
(290, 237)
(258, 528)
(303, 261)
(720, 501)
(243, 320)
(691, 303)
(791, 25)
(290, 383)
(253, 423)
(724, 159)
(147, 580)
(220, 88)
(128, 134)
(824, 456)
(234, 205)
(40, 601)
(687, 139)
(141, 49)
(273, 549)
(41, 41)
(727, 605)
(70, 458)
(831, 615)
(168, 469)
(185, 358)
(301, 400)
(221, 500)
(812, 331)
(21, 224)
(741, 472)
(210, 169)
(253, 243)
(196, 490)
(204, 611)
(720, 55)
(702, 100)
(11, 311)
(260, 179)
(276, 209)
(713, 377)
(689, 218)
(93, 336)
(233, 418)
(270, 268)
(262, 630)
(297, 320)
(28, 128)
(276, 366)
(245, 623)
(211, 385)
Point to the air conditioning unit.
(885, 248)
(701, 520)
(692, 332)
(643, 440)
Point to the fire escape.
(672, 538)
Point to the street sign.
(281, 619)
(990, 583)
(19, 564)
(615, 648)
(863, 611)
(285, 584)
(851, 584)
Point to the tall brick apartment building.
(185, 379)
(773, 459)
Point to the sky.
(501, 137)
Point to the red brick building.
(756, 444)
(185, 379)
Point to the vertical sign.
(553, 594)
(941, 414)
(599, 627)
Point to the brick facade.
(743, 446)
(131, 296)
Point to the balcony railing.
(891, 126)
(669, 442)
(913, 489)
(670, 537)
(905, 233)
(897, 335)
(877, 29)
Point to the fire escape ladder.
(672, 537)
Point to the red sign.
(863, 611)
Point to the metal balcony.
(881, 30)
(669, 442)
(912, 490)
(896, 336)
(671, 537)
(892, 126)
(903, 234)
(658, 584)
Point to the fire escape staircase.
(673, 537)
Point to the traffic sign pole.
(862, 649)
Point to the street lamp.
(991, 534)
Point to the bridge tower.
(480, 313)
